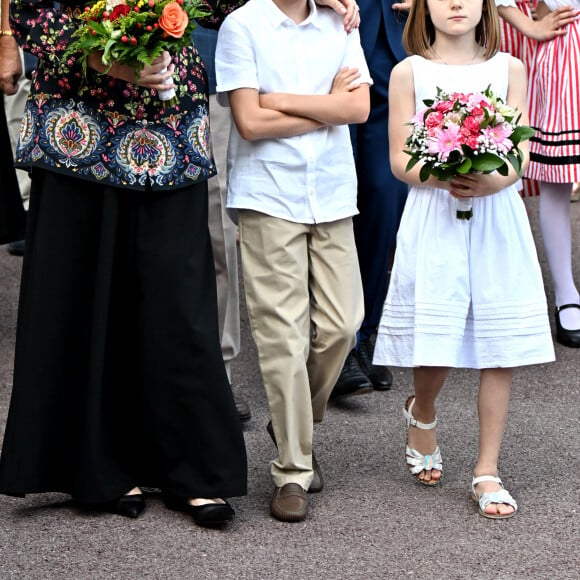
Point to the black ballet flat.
(208, 515)
(130, 506)
(563, 335)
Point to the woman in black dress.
(119, 380)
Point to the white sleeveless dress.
(464, 293)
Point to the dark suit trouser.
(381, 197)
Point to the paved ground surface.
(371, 521)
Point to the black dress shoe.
(563, 335)
(380, 376)
(208, 515)
(317, 483)
(129, 506)
(352, 381)
(243, 410)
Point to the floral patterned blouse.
(102, 129)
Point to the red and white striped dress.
(554, 103)
(512, 40)
(522, 47)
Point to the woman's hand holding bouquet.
(133, 39)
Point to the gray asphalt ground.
(371, 521)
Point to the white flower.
(112, 3)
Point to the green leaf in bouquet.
(467, 151)
(515, 162)
(424, 173)
(486, 162)
(464, 167)
(443, 173)
(454, 157)
(503, 169)
(107, 57)
(521, 133)
(412, 162)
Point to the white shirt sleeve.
(354, 57)
(235, 62)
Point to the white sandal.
(501, 496)
(417, 462)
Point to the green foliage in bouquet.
(134, 32)
(466, 133)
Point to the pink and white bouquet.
(462, 133)
(135, 32)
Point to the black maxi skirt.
(118, 375)
(12, 215)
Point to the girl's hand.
(149, 77)
(343, 80)
(549, 24)
(475, 185)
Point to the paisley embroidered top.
(103, 129)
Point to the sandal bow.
(502, 496)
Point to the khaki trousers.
(222, 231)
(305, 305)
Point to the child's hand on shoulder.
(550, 24)
(344, 80)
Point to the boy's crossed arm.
(279, 115)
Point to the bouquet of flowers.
(135, 32)
(466, 133)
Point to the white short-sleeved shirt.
(309, 178)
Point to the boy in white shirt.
(295, 79)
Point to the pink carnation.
(444, 106)
(434, 119)
(471, 124)
(461, 97)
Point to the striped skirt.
(554, 103)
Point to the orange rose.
(173, 20)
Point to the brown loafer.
(289, 503)
(317, 484)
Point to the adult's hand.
(152, 76)
(10, 65)
(404, 6)
(348, 8)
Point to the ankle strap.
(481, 478)
(412, 422)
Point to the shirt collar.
(277, 17)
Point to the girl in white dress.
(463, 293)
